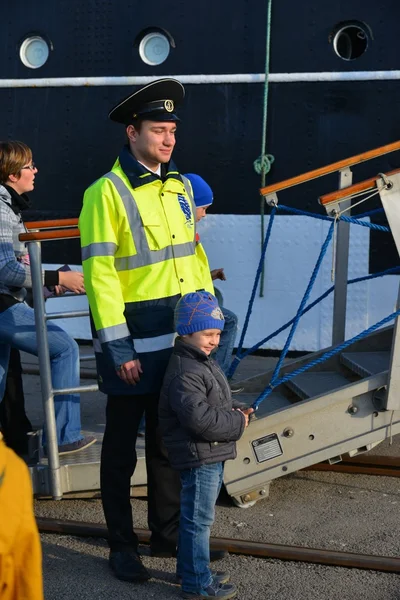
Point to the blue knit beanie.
(198, 311)
(203, 195)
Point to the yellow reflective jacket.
(20, 551)
(139, 257)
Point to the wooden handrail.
(55, 234)
(362, 186)
(51, 224)
(337, 166)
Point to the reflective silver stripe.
(145, 256)
(115, 332)
(160, 342)
(99, 249)
(97, 346)
(132, 262)
(135, 221)
(189, 192)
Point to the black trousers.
(13, 420)
(118, 462)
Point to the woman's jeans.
(223, 355)
(17, 329)
(199, 493)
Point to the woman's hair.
(13, 156)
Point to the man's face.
(154, 143)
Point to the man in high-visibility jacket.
(139, 257)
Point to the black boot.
(126, 565)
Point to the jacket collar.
(18, 202)
(138, 175)
(5, 195)
(182, 348)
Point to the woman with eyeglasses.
(17, 322)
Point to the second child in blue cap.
(203, 198)
(199, 429)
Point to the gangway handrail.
(331, 168)
(47, 236)
(362, 186)
(53, 230)
(72, 314)
(50, 224)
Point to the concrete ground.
(353, 513)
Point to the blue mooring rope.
(258, 275)
(303, 303)
(324, 357)
(302, 308)
(238, 358)
(353, 220)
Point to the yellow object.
(20, 551)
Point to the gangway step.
(274, 402)
(308, 385)
(366, 364)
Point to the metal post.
(34, 249)
(393, 387)
(341, 266)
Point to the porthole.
(34, 51)
(154, 48)
(350, 39)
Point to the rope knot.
(264, 163)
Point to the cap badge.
(169, 105)
(217, 314)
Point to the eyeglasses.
(32, 167)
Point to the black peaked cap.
(155, 101)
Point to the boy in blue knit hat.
(203, 198)
(199, 429)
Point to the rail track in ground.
(320, 556)
(364, 464)
(387, 466)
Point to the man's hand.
(218, 274)
(246, 412)
(72, 280)
(130, 372)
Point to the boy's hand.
(246, 412)
(130, 372)
(218, 274)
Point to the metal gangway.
(344, 406)
(343, 400)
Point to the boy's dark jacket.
(196, 418)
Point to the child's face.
(201, 212)
(206, 340)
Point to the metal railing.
(344, 196)
(51, 230)
(331, 168)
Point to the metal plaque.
(267, 447)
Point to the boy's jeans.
(17, 329)
(223, 355)
(200, 489)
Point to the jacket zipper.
(216, 365)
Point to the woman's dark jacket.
(196, 418)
